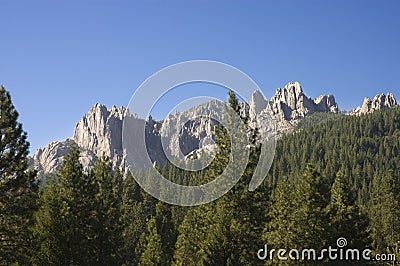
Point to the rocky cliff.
(99, 132)
(95, 134)
(380, 101)
(289, 105)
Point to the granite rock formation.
(380, 101)
(99, 132)
(288, 106)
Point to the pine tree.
(49, 243)
(75, 196)
(385, 211)
(134, 215)
(233, 102)
(346, 218)
(298, 216)
(311, 198)
(241, 213)
(231, 226)
(108, 212)
(13, 146)
(279, 232)
(196, 243)
(78, 194)
(191, 245)
(18, 188)
(153, 254)
(220, 243)
(162, 230)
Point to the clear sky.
(59, 58)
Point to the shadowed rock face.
(380, 101)
(100, 130)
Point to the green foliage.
(74, 196)
(153, 254)
(233, 102)
(18, 188)
(87, 207)
(280, 230)
(343, 212)
(49, 238)
(190, 247)
(359, 147)
(311, 214)
(317, 118)
(14, 147)
(225, 231)
(311, 198)
(385, 211)
(161, 237)
(133, 220)
(108, 226)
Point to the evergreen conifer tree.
(18, 187)
(385, 211)
(346, 218)
(311, 199)
(153, 254)
(75, 241)
(108, 212)
(279, 232)
(49, 242)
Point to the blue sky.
(59, 58)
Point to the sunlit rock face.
(99, 132)
(288, 106)
(380, 101)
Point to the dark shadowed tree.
(76, 240)
(18, 188)
(108, 224)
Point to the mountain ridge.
(99, 132)
(380, 101)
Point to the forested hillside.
(360, 147)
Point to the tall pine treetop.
(233, 102)
(14, 147)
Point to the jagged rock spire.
(380, 101)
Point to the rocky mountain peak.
(99, 132)
(380, 101)
(257, 103)
(327, 103)
(96, 130)
(291, 95)
(290, 103)
(294, 88)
